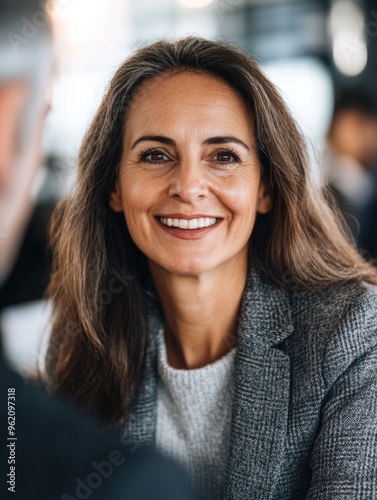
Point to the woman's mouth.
(189, 224)
(193, 228)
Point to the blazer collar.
(265, 314)
(261, 393)
(140, 426)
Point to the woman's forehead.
(188, 102)
(189, 84)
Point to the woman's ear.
(264, 203)
(115, 201)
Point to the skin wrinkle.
(190, 110)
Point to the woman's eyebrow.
(226, 139)
(156, 138)
(212, 140)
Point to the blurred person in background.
(221, 313)
(26, 58)
(47, 452)
(350, 162)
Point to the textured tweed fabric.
(304, 409)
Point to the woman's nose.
(188, 182)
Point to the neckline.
(228, 358)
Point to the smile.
(189, 224)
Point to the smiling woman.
(190, 181)
(243, 341)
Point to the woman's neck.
(200, 312)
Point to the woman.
(206, 300)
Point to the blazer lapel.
(140, 427)
(261, 397)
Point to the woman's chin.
(187, 267)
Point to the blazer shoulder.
(337, 301)
(337, 324)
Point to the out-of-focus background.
(322, 55)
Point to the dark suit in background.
(61, 456)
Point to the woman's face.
(189, 160)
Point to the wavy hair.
(99, 335)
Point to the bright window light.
(82, 23)
(306, 86)
(349, 45)
(348, 58)
(195, 4)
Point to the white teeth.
(183, 223)
(193, 223)
(189, 224)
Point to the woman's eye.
(154, 157)
(226, 157)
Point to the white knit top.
(194, 409)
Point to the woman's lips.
(188, 234)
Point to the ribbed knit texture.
(194, 409)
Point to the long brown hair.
(99, 335)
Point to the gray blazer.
(304, 419)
